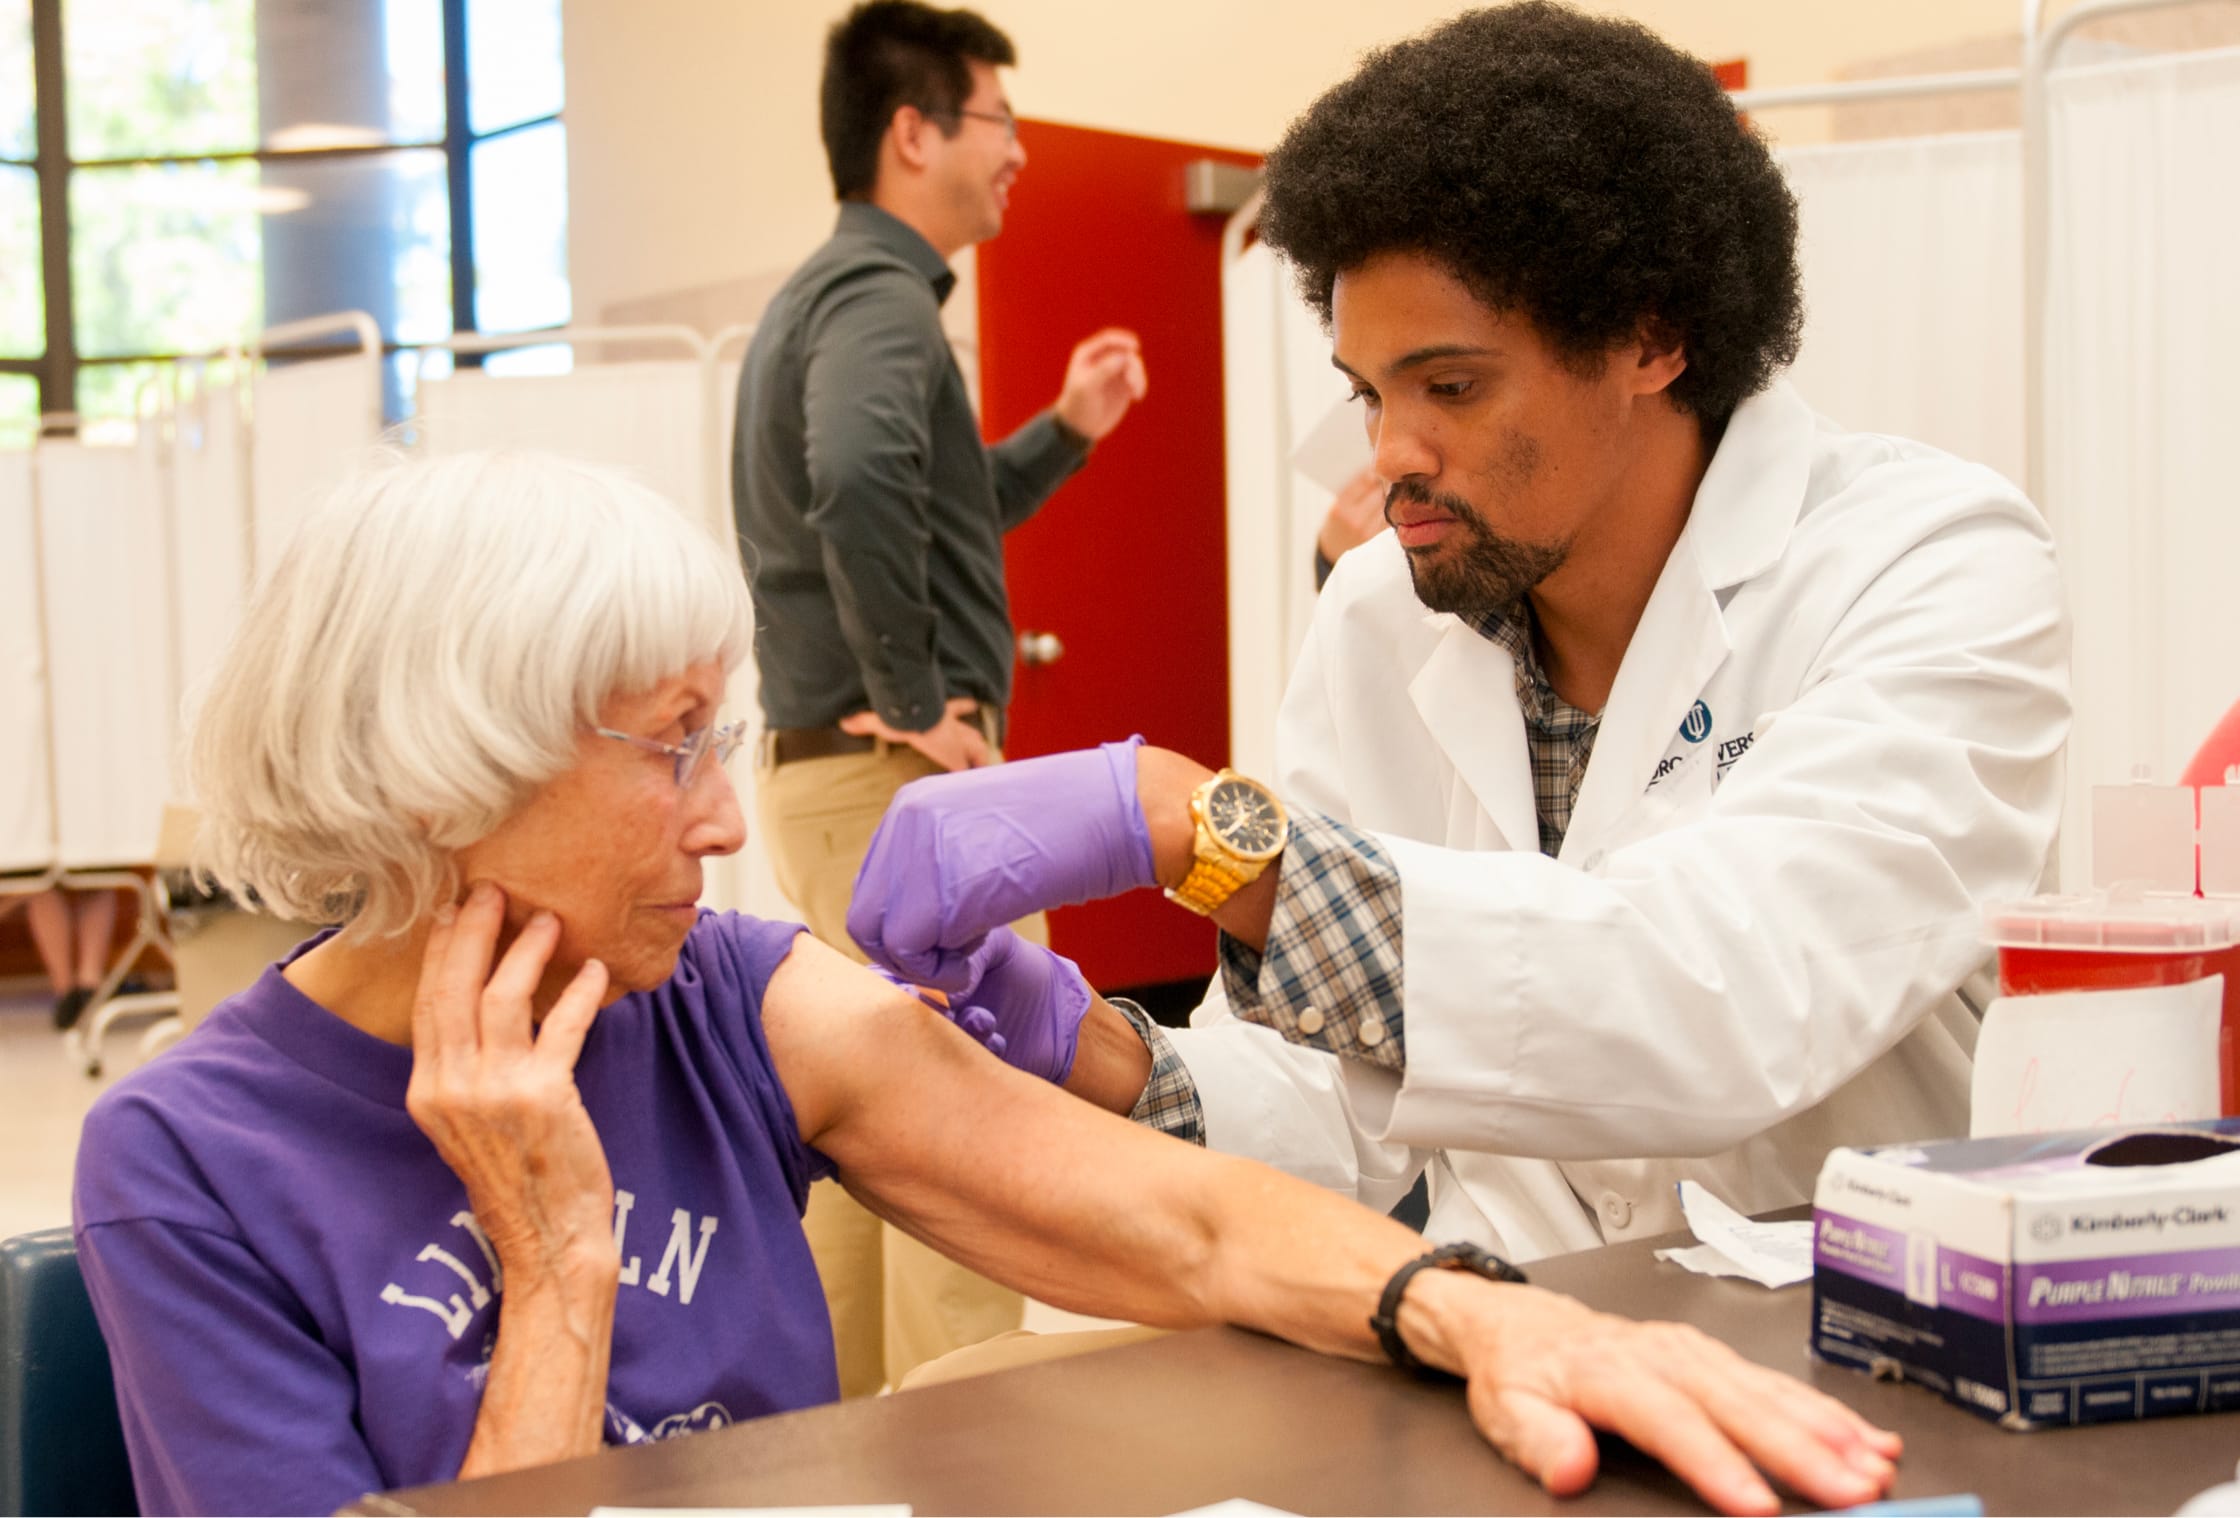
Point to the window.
(19, 407)
(176, 175)
(15, 81)
(22, 310)
(22, 296)
(517, 164)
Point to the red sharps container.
(2107, 941)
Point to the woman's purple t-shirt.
(300, 1308)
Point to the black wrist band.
(1385, 1321)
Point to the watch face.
(1246, 819)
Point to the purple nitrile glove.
(1036, 999)
(977, 1021)
(960, 854)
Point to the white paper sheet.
(1772, 1254)
(859, 1510)
(2092, 1059)
(1335, 449)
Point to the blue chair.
(61, 1445)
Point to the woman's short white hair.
(425, 656)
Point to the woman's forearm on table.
(1296, 1261)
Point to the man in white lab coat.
(1644, 786)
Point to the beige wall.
(695, 171)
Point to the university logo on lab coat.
(1696, 726)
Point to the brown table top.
(1201, 1417)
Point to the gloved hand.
(960, 854)
(1023, 1002)
(1035, 999)
(977, 1021)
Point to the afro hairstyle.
(1576, 169)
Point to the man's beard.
(1482, 571)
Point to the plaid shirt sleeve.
(1329, 978)
(1170, 1098)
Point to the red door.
(1126, 565)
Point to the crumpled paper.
(1771, 1254)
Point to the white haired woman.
(510, 1161)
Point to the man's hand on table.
(1545, 1372)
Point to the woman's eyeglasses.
(721, 742)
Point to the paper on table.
(1772, 1254)
(2089, 1059)
(1334, 449)
(844, 1510)
(1236, 1507)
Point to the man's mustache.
(1416, 493)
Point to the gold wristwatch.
(1241, 826)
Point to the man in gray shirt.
(872, 518)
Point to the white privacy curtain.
(2141, 392)
(26, 818)
(108, 650)
(1280, 397)
(647, 417)
(313, 422)
(153, 559)
(210, 530)
(1911, 251)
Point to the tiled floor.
(44, 1094)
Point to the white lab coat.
(1834, 739)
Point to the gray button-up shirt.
(870, 513)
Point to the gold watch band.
(1210, 883)
(1219, 870)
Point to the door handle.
(1040, 648)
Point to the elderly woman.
(510, 1161)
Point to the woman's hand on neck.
(370, 982)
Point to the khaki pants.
(894, 1303)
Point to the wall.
(695, 172)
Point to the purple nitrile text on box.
(1965, 1282)
(2128, 1286)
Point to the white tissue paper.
(1771, 1254)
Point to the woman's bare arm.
(1087, 1211)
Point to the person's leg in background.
(95, 926)
(72, 935)
(49, 916)
(894, 1302)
